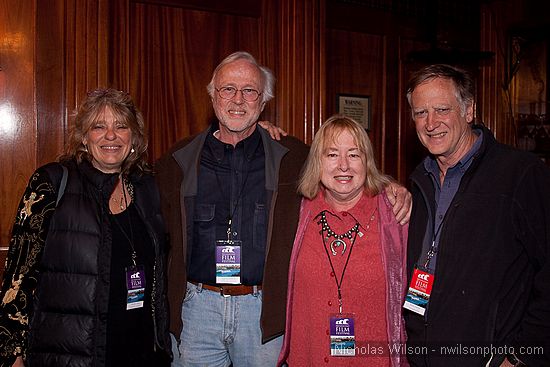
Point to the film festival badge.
(342, 336)
(418, 295)
(228, 262)
(135, 284)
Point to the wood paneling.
(50, 77)
(301, 66)
(85, 48)
(17, 114)
(355, 64)
(494, 109)
(248, 8)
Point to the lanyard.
(433, 248)
(234, 208)
(131, 237)
(338, 282)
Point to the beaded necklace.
(340, 239)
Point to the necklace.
(122, 202)
(339, 239)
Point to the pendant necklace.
(339, 239)
(123, 201)
(119, 202)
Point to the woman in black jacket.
(84, 283)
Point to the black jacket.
(68, 327)
(492, 277)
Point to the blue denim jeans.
(219, 331)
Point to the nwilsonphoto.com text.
(370, 349)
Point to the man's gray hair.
(268, 91)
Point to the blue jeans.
(220, 331)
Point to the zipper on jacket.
(153, 313)
(453, 205)
(156, 247)
(426, 343)
(431, 218)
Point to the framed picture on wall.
(355, 106)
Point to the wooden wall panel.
(300, 70)
(493, 108)
(86, 48)
(355, 65)
(49, 81)
(367, 64)
(508, 88)
(17, 113)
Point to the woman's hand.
(275, 131)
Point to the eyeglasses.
(439, 111)
(249, 94)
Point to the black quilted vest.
(68, 326)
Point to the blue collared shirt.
(445, 193)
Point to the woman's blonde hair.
(310, 178)
(124, 110)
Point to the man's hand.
(275, 131)
(401, 200)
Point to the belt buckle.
(223, 294)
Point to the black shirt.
(231, 184)
(130, 339)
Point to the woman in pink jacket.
(347, 270)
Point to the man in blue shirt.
(479, 237)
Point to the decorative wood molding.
(247, 8)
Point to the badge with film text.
(135, 284)
(342, 335)
(419, 291)
(228, 261)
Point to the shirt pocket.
(205, 228)
(259, 231)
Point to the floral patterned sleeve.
(21, 269)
